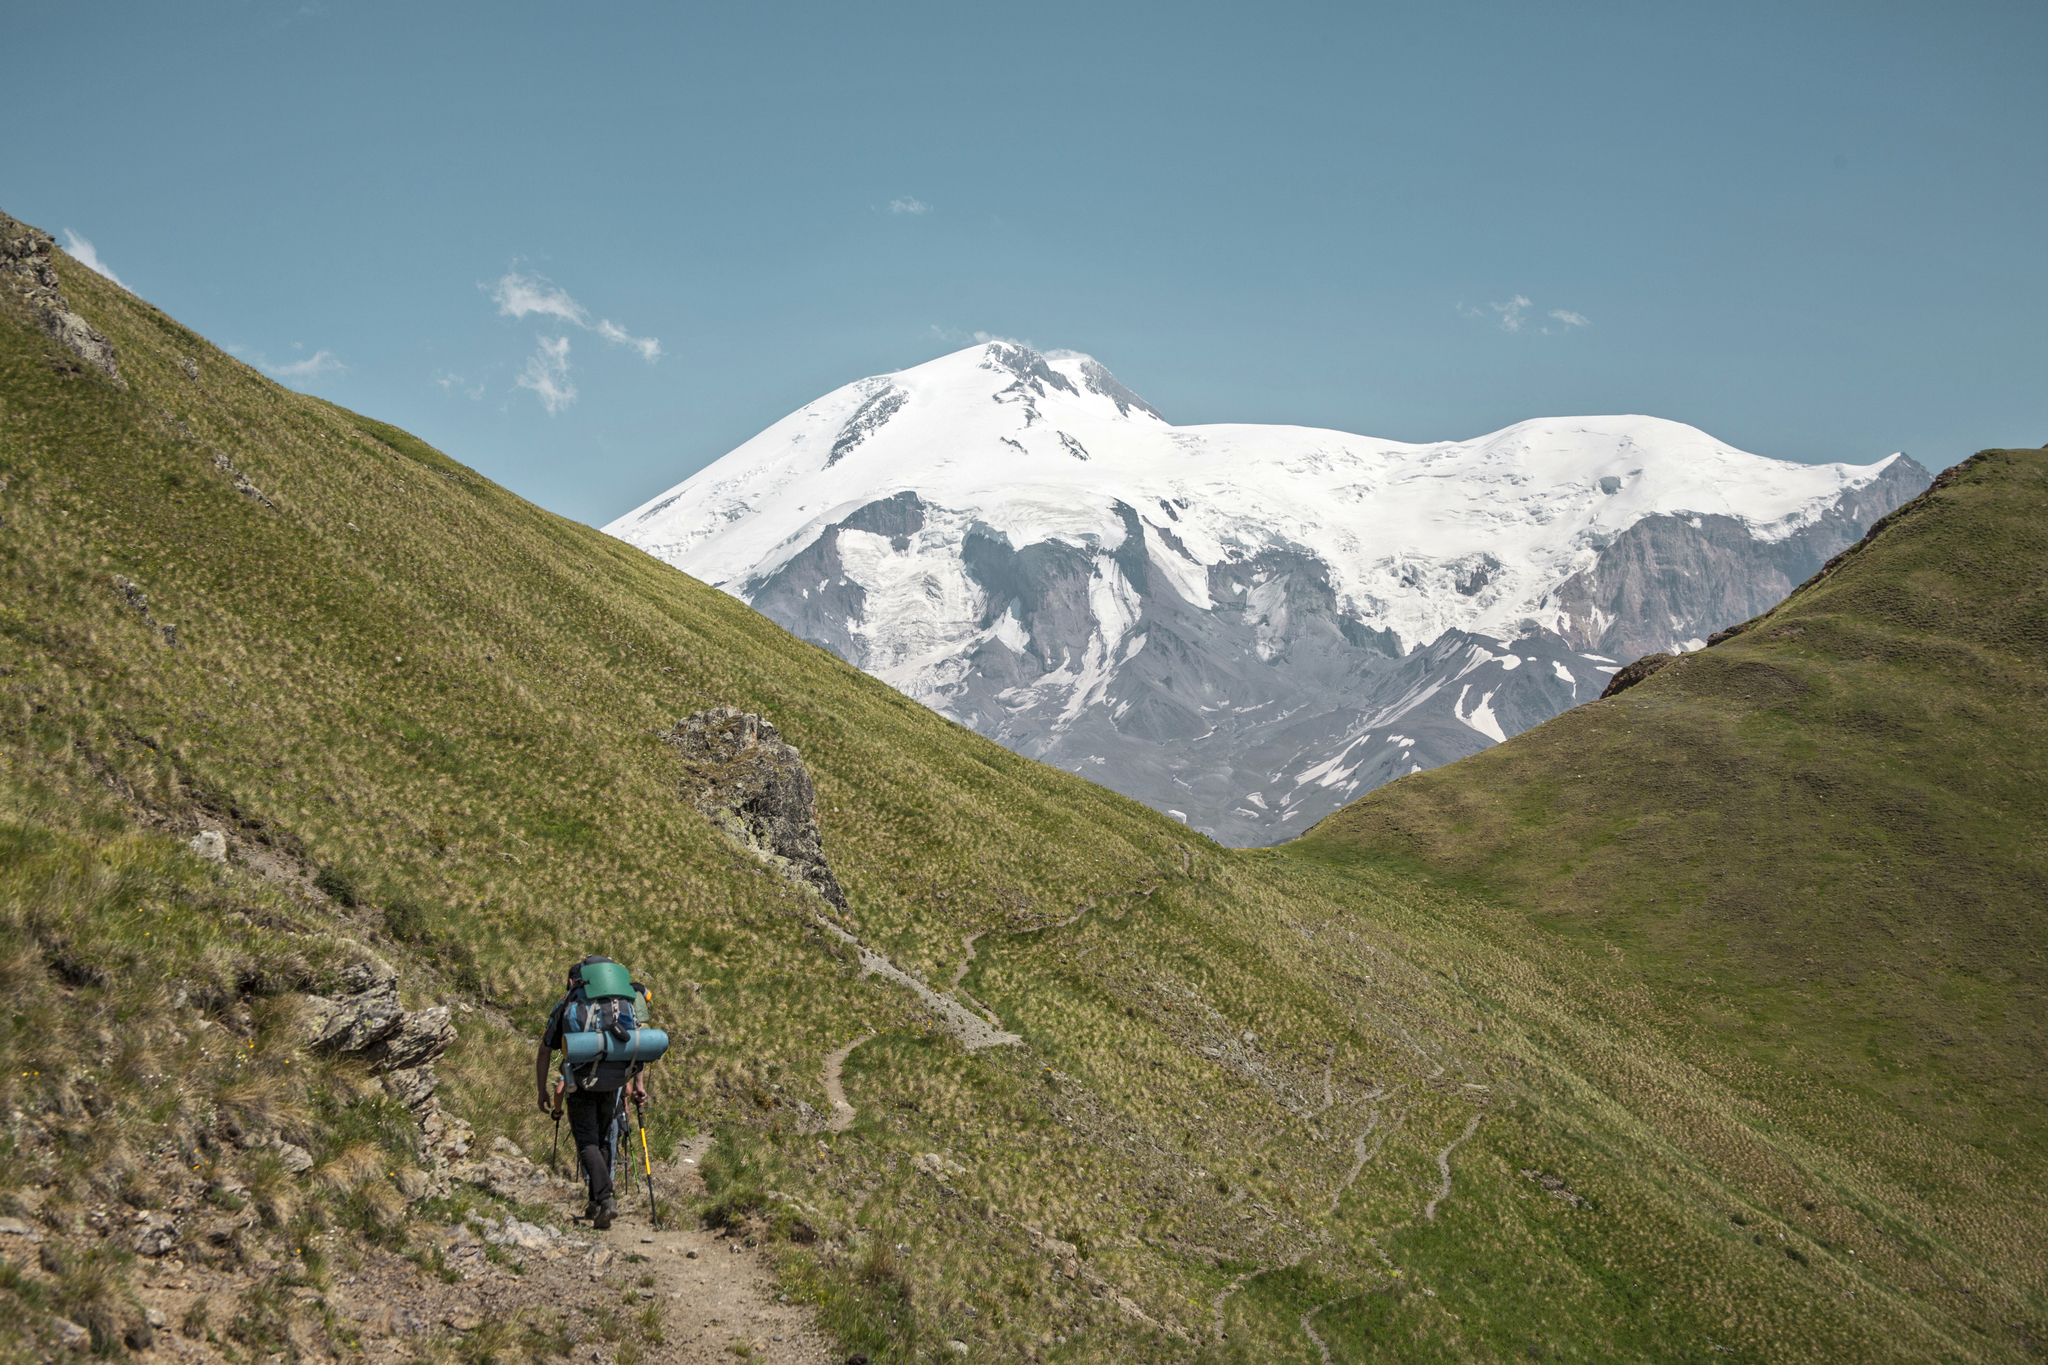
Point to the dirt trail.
(595, 1288)
(1309, 1329)
(971, 1029)
(835, 1063)
(1364, 1154)
(1443, 1164)
(967, 942)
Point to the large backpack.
(603, 1043)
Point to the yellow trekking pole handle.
(647, 1165)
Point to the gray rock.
(412, 1087)
(352, 1023)
(70, 1334)
(756, 788)
(211, 845)
(296, 1159)
(419, 1038)
(25, 264)
(14, 1227)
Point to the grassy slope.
(453, 698)
(1816, 852)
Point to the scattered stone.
(153, 1317)
(189, 366)
(14, 1227)
(1556, 1187)
(463, 1321)
(959, 1347)
(140, 1337)
(211, 845)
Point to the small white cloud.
(518, 295)
(1511, 313)
(1569, 318)
(82, 251)
(547, 374)
(320, 362)
(912, 206)
(648, 347)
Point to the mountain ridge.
(1202, 617)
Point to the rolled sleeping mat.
(595, 1045)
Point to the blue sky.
(1816, 231)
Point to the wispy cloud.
(648, 347)
(83, 252)
(306, 367)
(907, 205)
(519, 296)
(1514, 316)
(453, 382)
(547, 374)
(320, 362)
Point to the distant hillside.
(1819, 848)
(1256, 1103)
(1243, 626)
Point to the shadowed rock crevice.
(756, 789)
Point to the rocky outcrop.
(1639, 671)
(398, 1044)
(25, 265)
(756, 789)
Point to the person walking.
(600, 999)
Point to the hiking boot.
(606, 1211)
(590, 1210)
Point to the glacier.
(1228, 622)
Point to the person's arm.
(540, 1076)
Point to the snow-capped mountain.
(1244, 626)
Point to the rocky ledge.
(25, 265)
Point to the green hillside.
(1263, 1099)
(1815, 852)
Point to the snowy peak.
(1018, 540)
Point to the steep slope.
(1255, 1101)
(1242, 626)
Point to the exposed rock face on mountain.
(756, 788)
(1243, 626)
(25, 267)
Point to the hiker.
(608, 1058)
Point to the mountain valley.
(1700, 1022)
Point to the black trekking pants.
(591, 1116)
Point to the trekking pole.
(554, 1151)
(647, 1164)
